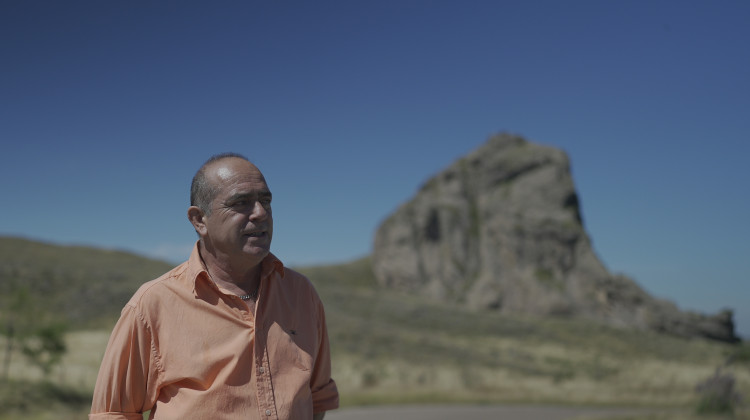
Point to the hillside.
(83, 286)
(393, 346)
(390, 347)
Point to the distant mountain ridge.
(501, 228)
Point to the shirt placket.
(266, 400)
(265, 388)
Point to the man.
(229, 334)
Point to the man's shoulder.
(296, 279)
(297, 283)
(156, 288)
(294, 275)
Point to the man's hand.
(319, 416)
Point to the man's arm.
(319, 416)
(325, 395)
(124, 386)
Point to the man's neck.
(237, 278)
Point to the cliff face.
(501, 228)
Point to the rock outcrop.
(501, 228)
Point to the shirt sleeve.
(325, 395)
(126, 384)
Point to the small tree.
(26, 326)
(16, 316)
(45, 347)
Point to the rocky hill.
(501, 228)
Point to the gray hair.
(203, 192)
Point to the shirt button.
(262, 369)
(268, 412)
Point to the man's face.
(240, 224)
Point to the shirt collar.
(196, 268)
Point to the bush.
(717, 394)
(45, 347)
(741, 355)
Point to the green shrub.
(45, 347)
(717, 394)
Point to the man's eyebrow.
(259, 194)
(265, 194)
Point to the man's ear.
(197, 219)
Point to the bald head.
(231, 213)
(203, 189)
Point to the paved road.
(472, 412)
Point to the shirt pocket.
(302, 356)
(292, 348)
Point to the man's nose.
(259, 211)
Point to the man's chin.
(256, 251)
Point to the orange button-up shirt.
(185, 348)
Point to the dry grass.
(79, 366)
(389, 347)
(74, 377)
(548, 374)
(412, 367)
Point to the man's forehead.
(233, 169)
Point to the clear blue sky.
(108, 108)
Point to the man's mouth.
(258, 234)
